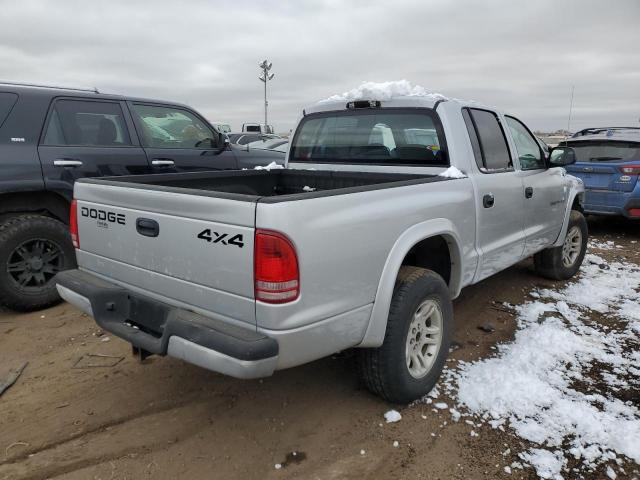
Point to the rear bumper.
(617, 203)
(163, 329)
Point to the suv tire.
(563, 262)
(416, 343)
(33, 248)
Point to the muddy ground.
(166, 419)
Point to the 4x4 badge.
(223, 238)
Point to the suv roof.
(56, 91)
(631, 134)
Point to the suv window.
(78, 122)
(605, 151)
(488, 140)
(386, 136)
(528, 149)
(7, 101)
(171, 127)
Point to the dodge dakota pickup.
(386, 209)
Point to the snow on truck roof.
(399, 93)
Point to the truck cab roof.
(400, 101)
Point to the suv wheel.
(562, 263)
(33, 248)
(416, 344)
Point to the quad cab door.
(178, 140)
(545, 195)
(499, 200)
(88, 138)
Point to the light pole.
(264, 77)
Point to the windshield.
(606, 151)
(398, 136)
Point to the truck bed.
(267, 186)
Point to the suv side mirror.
(561, 157)
(222, 141)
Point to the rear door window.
(7, 101)
(491, 142)
(86, 123)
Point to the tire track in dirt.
(115, 439)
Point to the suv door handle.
(528, 192)
(67, 162)
(488, 200)
(162, 162)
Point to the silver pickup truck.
(385, 211)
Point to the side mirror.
(561, 157)
(223, 140)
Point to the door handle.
(147, 227)
(488, 200)
(67, 162)
(528, 192)
(162, 162)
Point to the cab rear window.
(386, 137)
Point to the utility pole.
(264, 77)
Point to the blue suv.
(608, 162)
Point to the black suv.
(51, 136)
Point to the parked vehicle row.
(386, 210)
(51, 137)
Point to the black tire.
(384, 370)
(28, 260)
(549, 263)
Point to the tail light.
(630, 169)
(277, 278)
(634, 212)
(73, 223)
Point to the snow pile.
(271, 166)
(384, 91)
(564, 382)
(452, 172)
(392, 416)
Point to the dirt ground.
(166, 419)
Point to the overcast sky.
(522, 56)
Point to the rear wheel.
(407, 365)
(563, 262)
(33, 249)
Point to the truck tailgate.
(196, 250)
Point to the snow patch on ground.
(546, 463)
(606, 245)
(556, 385)
(384, 91)
(452, 172)
(392, 416)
